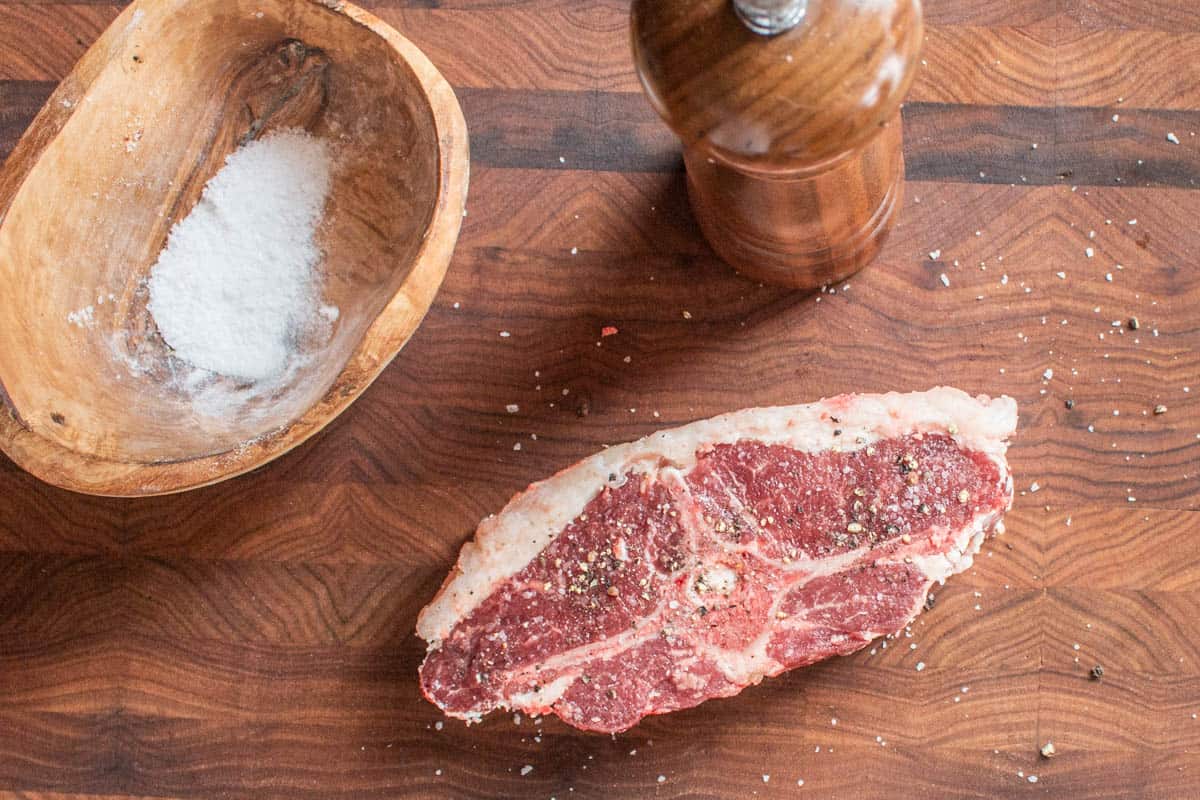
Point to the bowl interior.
(184, 82)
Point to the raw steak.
(690, 564)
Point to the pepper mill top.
(824, 85)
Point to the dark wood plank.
(619, 132)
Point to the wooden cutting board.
(254, 639)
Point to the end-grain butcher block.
(693, 563)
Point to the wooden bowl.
(90, 399)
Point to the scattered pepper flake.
(609, 330)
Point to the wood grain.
(254, 639)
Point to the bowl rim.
(382, 341)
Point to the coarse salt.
(235, 290)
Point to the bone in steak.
(693, 563)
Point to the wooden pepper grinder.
(789, 112)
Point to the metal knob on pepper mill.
(789, 113)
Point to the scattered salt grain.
(1032, 779)
(437, 726)
(945, 281)
(1172, 138)
(525, 770)
(236, 288)
(934, 255)
(1089, 252)
(512, 408)
(920, 666)
(766, 778)
(83, 317)
(662, 778)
